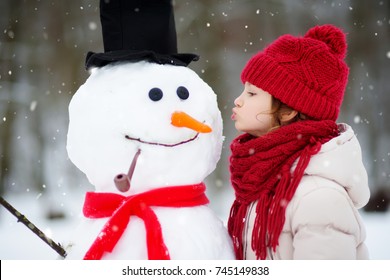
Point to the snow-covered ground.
(19, 243)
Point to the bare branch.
(21, 218)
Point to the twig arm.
(21, 218)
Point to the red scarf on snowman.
(261, 171)
(119, 208)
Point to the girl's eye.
(251, 93)
(155, 94)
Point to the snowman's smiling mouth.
(178, 119)
(161, 144)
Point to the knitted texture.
(307, 73)
(261, 170)
(120, 208)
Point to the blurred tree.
(41, 66)
(9, 78)
(43, 46)
(367, 100)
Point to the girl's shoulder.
(339, 165)
(321, 202)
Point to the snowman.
(146, 130)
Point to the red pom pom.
(330, 35)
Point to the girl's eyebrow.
(248, 86)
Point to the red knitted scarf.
(261, 171)
(119, 208)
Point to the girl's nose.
(238, 102)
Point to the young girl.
(298, 176)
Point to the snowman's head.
(165, 116)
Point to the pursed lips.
(234, 114)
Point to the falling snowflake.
(33, 105)
(357, 119)
(92, 25)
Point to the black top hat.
(135, 30)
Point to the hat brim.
(102, 59)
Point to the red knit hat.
(307, 73)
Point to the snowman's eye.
(155, 94)
(183, 93)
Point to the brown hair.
(278, 109)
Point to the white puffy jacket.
(322, 219)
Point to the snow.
(17, 242)
(134, 124)
(114, 103)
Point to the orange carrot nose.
(181, 119)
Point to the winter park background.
(42, 50)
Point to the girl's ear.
(287, 115)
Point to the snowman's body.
(125, 109)
(189, 233)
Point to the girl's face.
(253, 111)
